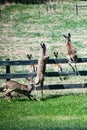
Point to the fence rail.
(8, 75)
(30, 62)
(47, 74)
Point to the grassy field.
(21, 32)
(67, 112)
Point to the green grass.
(64, 113)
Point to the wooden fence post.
(7, 69)
(39, 8)
(76, 9)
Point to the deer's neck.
(69, 45)
(69, 48)
(43, 53)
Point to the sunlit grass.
(65, 112)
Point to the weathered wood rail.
(8, 75)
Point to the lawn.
(67, 112)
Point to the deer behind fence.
(71, 52)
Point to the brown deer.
(51, 6)
(32, 68)
(71, 52)
(57, 67)
(41, 67)
(13, 86)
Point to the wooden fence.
(79, 6)
(8, 75)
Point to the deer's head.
(31, 82)
(56, 54)
(29, 56)
(68, 38)
(43, 46)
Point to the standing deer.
(32, 68)
(50, 6)
(57, 67)
(71, 52)
(41, 67)
(13, 86)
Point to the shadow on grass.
(53, 96)
(46, 97)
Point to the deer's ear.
(65, 36)
(57, 52)
(69, 35)
(28, 56)
(41, 45)
(54, 53)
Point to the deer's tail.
(3, 87)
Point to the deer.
(51, 6)
(32, 68)
(71, 52)
(41, 67)
(13, 86)
(58, 67)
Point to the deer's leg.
(8, 94)
(70, 60)
(28, 94)
(71, 66)
(76, 69)
(42, 87)
(25, 93)
(31, 97)
(75, 61)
